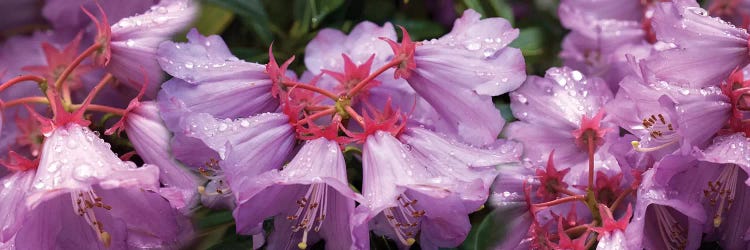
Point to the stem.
(353, 114)
(564, 191)
(620, 199)
(590, 242)
(100, 108)
(26, 100)
(19, 79)
(361, 84)
(316, 116)
(577, 230)
(591, 159)
(90, 50)
(560, 201)
(311, 88)
(317, 108)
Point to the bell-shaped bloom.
(134, 40)
(460, 72)
(581, 15)
(150, 138)
(229, 152)
(403, 199)
(663, 217)
(209, 79)
(667, 117)
(98, 200)
(723, 175)
(462, 163)
(708, 48)
(553, 108)
(309, 199)
(324, 51)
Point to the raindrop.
(245, 123)
(130, 43)
(521, 98)
(189, 65)
(473, 46)
(223, 127)
(54, 166)
(576, 75)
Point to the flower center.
(660, 131)
(720, 193)
(217, 186)
(672, 233)
(84, 202)
(404, 219)
(311, 212)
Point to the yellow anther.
(106, 239)
(410, 241)
(302, 245)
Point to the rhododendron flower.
(309, 199)
(77, 172)
(476, 56)
(697, 36)
(131, 42)
(576, 114)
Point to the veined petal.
(74, 158)
(135, 39)
(150, 139)
(312, 186)
(13, 209)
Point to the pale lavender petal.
(150, 139)
(696, 35)
(324, 51)
(135, 39)
(475, 167)
(13, 209)
(74, 158)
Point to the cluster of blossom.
(641, 140)
(253, 138)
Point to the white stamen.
(401, 223)
(722, 191)
(672, 233)
(311, 212)
(84, 203)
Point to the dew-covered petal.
(135, 40)
(74, 158)
(151, 139)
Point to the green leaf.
(310, 13)
(252, 14)
(530, 41)
(475, 5)
(215, 219)
(421, 29)
(213, 19)
(493, 230)
(501, 8)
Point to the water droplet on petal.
(576, 75)
(130, 43)
(189, 65)
(473, 46)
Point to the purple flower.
(209, 79)
(150, 139)
(475, 55)
(462, 163)
(109, 202)
(667, 117)
(309, 199)
(403, 198)
(708, 48)
(230, 152)
(131, 43)
(723, 175)
(553, 108)
(667, 213)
